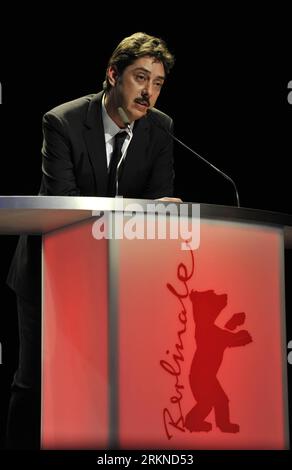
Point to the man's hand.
(169, 199)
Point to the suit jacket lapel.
(94, 137)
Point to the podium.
(150, 341)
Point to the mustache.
(143, 101)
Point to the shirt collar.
(110, 127)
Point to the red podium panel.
(146, 345)
(75, 336)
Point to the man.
(80, 159)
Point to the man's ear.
(112, 75)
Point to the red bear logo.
(211, 342)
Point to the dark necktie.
(115, 158)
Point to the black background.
(227, 95)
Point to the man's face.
(138, 88)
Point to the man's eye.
(141, 77)
(158, 84)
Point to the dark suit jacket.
(74, 164)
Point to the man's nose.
(147, 90)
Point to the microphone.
(126, 122)
(124, 117)
(158, 123)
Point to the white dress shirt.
(110, 131)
